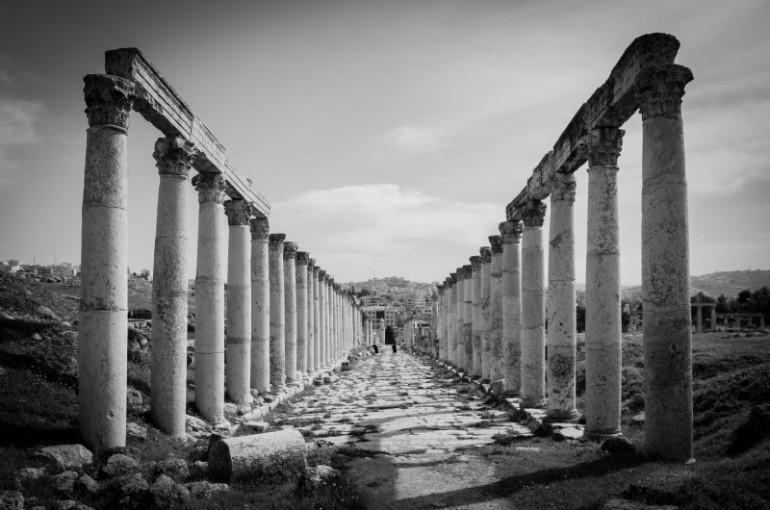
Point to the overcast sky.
(387, 135)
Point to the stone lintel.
(163, 107)
(612, 104)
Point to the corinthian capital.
(210, 187)
(452, 278)
(496, 243)
(303, 257)
(173, 155)
(321, 274)
(467, 271)
(604, 146)
(276, 241)
(510, 231)
(475, 263)
(486, 254)
(533, 214)
(659, 90)
(289, 250)
(238, 212)
(260, 228)
(563, 187)
(108, 100)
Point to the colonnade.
(510, 345)
(266, 314)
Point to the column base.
(532, 403)
(562, 416)
(600, 435)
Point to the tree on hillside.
(744, 296)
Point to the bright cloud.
(385, 228)
(414, 139)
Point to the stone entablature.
(159, 103)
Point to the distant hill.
(729, 283)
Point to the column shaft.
(511, 233)
(468, 320)
(496, 309)
(290, 304)
(238, 341)
(103, 318)
(210, 298)
(260, 306)
(460, 320)
(603, 331)
(533, 308)
(168, 368)
(277, 314)
(562, 342)
(484, 305)
(665, 265)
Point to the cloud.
(355, 229)
(414, 139)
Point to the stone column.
(562, 341)
(238, 341)
(168, 373)
(511, 231)
(277, 314)
(210, 298)
(323, 322)
(104, 291)
(301, 306)
(665, 265)
(476, 317)
(699, 319)
(460, 316)
(290, 303)
(603, 325)
(439, 316)
(468, 320)
(713, 318)
(484, 305)
(496, 309)
(260, 305)
(533, 307)
(311, 335)
(317, 326)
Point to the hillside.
(729, 283)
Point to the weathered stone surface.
(205, 490)
(64, 482)
(70, 504)
(88, 485)
(176, 469)
(130, 491)
(119, 465)
(271, 452)
(26, 475)
(11, 500)
(136, 431)
(196, 427)
(68, 456)
(166, 493)
(624, 504)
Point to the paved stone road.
(415, 420)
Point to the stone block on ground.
(624, 504)
(166, 493)
(119, 465)
(176, 469)
(67, 456)
(11, 500)
(70, 504)
(87, 485)
(205, 490)
(247, 456)
(64, 482)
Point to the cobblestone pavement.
(413, 418)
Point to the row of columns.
(509, 342)
(266, 314)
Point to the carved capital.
(276, 241)
(604, 145)
(496, 243)
(289, 250)
(563, 187)
(316, 269)
(322, 274)
(210, 187)
(659, 90)
(260, 228)
(310, 262)
(173, 155)
(533, 215)
(302, 257)
(448, 282)
(485, 253)
(238, 212)
(475, 263)
(511, 231)
(453, 277)
(108, 100)
(467, 271)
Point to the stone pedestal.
(511, 231)
(260, 305)
(475, 353)
(277, 313)
(533, 307)
(168, 366)
(290, 303)
(497, 359)
(210, 298)
(603, 326)
(104, 291)
(238, 340)
(665, 265)
(484, 305)
(562, 332)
